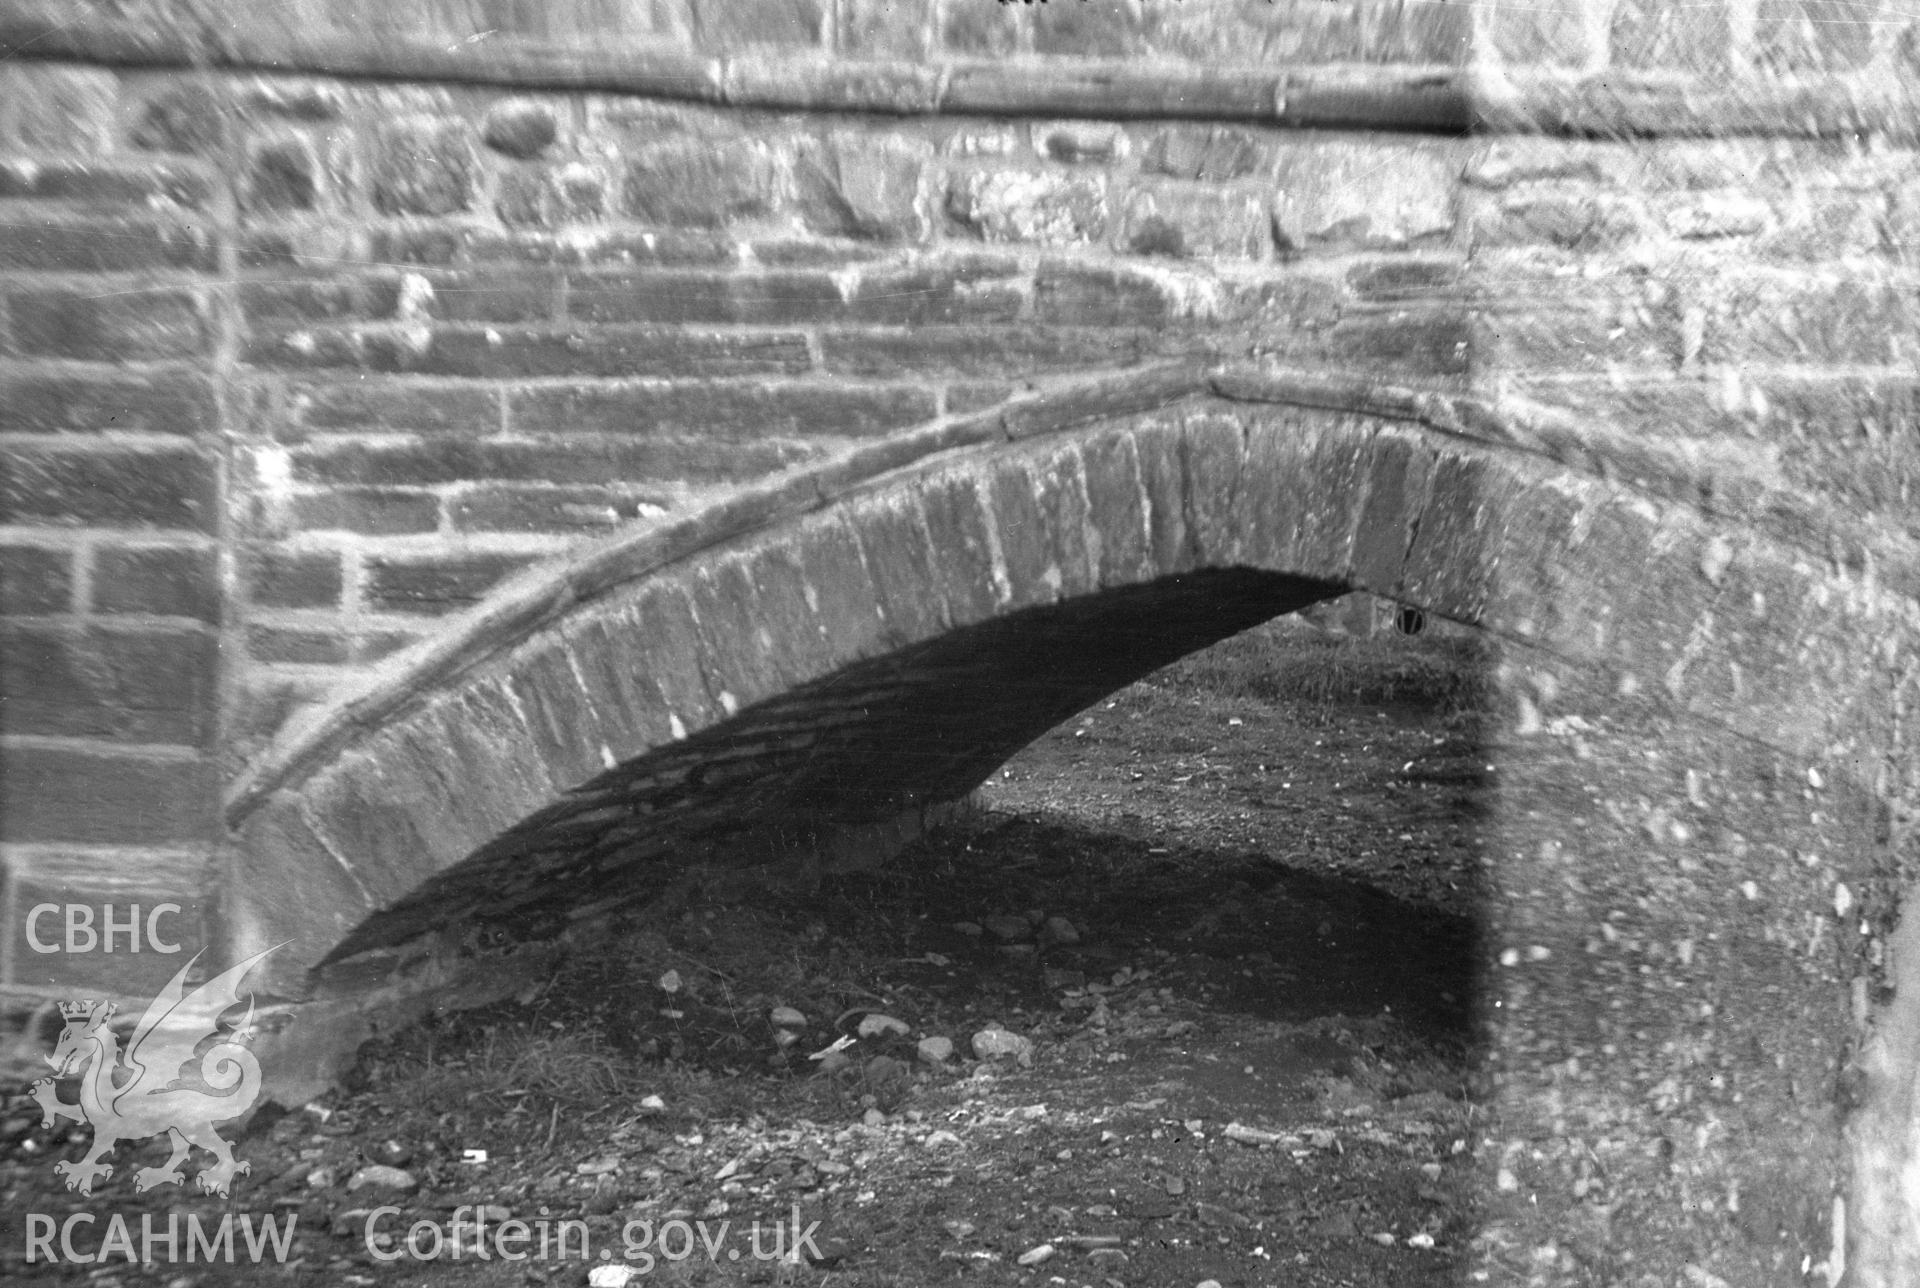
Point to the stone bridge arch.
(841, 651)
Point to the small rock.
(1107, 1258)
(877, 1025)
(614, 1276)
(520, 129)
(999, 1044)
(1008, 928)
(390, 1178)
(874, 1118)
(391, 1153)
(1058, 930)
(935, 1050)
(1214, 1214)
(970, 929)
(1246, 1135)
(786, 1017)
(940, 1138)
(323, 1178)
(1035, 1255)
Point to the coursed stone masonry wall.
(314, 338)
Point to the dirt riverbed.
(1203, 960)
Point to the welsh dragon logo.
(147, 1091)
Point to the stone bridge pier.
(461, 464)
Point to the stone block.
(1082, 142)
(117, 489)
(1067, 294)
(124, 685)
(781, 297)
(520, 128)
(387, 814)
(287, 884)
(1405, 277)
(1413, 343)
(839, 588)
(1564, 36)
(1647, 34)
(1195, 222)
(423, 168)
(961, 532)
(35, 580)
(1215, 486)
(1580, 221)
(978, 30)
(553, 509)
(899, 556)
(1091, 29)
(1117, 515)
(496, 352)
(632, 708)
(1253, 32)
(99, 246)
(61, 108)
(185, 115)
(399, 406)
(1364, 195)
(135, 881)
(434, 586)
(984, 290)
(1039, 206)
(161, 580)
(1451, 566)
(741, 24)
(150, 324)
(1025, 574)
(1398, 471)
(1158, 449)
(864, 185)
(877, 29)
(1208, 154)
(484, 745)
(282, 175)
(562, 719)
(371, 511)
(99, 796)
(1009, 351)
(1829, 317)
(1058, 480)
(152, 402)
(575, 459)
(1815, 36)
(146, 183)
(702, 183)
(298, 647)
(739, 650)
(734, 412)
(292, 579)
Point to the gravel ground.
(1186, 1001)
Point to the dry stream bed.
(1213, 943)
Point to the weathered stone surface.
(1034, 206)
(423, 169)
(1196, 223)
(862, 185)
(701, 183)
(1351, 194)
(520, 128)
